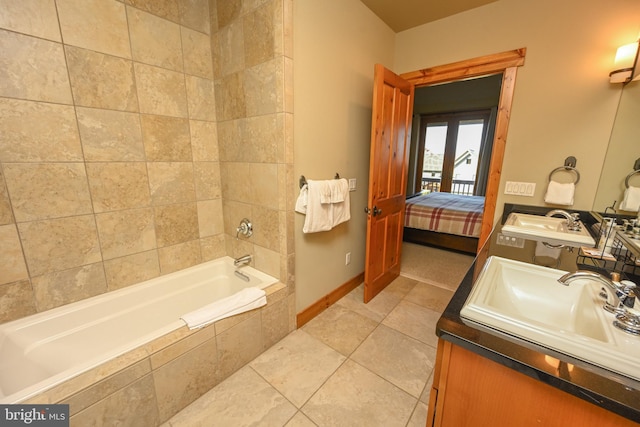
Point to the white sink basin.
(551, 230)
(526, 301)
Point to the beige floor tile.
(429, 296)
(355, 396)
(419, 416)
(300, 420)
(414, 320)
(243, 399)
(340, 328)
(375, 309)
(297, 366)
(401, 360)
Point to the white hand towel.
(302, 200)
(543, 250)
(319, 215)
(339, 190)
(631, 201)
(560, 194)
(342, 210)
(245, 300)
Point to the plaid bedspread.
(445, 213)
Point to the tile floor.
(355, 364)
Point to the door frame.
(506, 63)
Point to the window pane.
(434, 144)
(467, 151)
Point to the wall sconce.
(626, 64)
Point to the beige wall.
(112, 171)
(336, 44)
(563, 102)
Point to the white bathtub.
(40, 351)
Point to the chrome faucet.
(244, 259)
(573, 220)
(627, 319)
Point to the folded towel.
(245, 300)
(325, 216)
(301, 201)
(560, 194)
(339, 190)
(631, 200)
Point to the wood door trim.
(506, 63)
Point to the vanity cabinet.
(470, 390)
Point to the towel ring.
(566, 168)
(626, 180)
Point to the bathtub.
(41, 351)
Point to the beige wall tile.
(233, 214)
(16, 301)
(47, 190)
(35, 131)
(6, 214)
(167, 9)
(230, 140)
(204, 141)
(230, 49)
(161, 91)
(64, 287)
(201, 98)
(230, 100)
(239, 345)
(12, 265)
(267, 261)
(195, 14)
(116, 186)
(180, 256)
(208, 181)
(263, 179)
(34, 70)
(131, 269)
(196, 49)
(101, 81)
(210, 220)
(126, 232)
(95, 24)
(261, 136)
(108, 135)
(33, 17)
(266, 227)
(166, 139)
(275, 322)
(212, 247)
(154, 40)
(59, 244)
(263, 88)
(186, 378)
(259, 34)
(171, 182)
(228, 11)
(180, 347)
(134, 405)
(236, 181)
(107, 386)
(176, 224)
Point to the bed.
(451, 221)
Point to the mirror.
(623, 151)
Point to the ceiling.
(401, 15)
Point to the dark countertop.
(609, 390)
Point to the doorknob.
(376, 211)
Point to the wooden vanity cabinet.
(472, 391)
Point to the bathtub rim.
(177, 327)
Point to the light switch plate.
(352, 184)
(527, 189)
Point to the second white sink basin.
(552, 230)
(526, 301)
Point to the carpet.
(439, 267)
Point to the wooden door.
(390, 137)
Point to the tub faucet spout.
(244, 259)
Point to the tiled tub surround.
(134, 136)
(151, 382)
